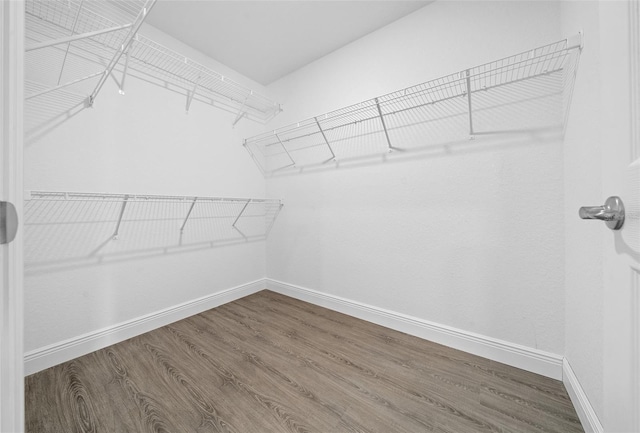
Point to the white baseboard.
(54, 354)
(526, 358)
(587, 415)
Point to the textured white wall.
(141, 143)
(471, 239)
(583, 184)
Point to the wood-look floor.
(269, 363)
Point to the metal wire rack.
(70, 227)
(91, 40)
(528, 91)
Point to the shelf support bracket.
(124, 206)
(191, 94)
(244, 144)
(124, 72)
(184, 223)
(241, 212)
(238, 217)
(273, 220)
(125, 46)
(73, 31)
(468, 79)
(384, 127)
(333, 155)
(293, 162)
(240, 114)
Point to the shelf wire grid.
(154, 59)
(53, 19)
(64, 228)
(47, 21)
(526, 92)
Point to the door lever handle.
(612, 213)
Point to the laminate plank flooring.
(268, 363)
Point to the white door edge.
(11, 261)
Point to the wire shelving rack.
(93, 41)
(63, 227)
(529, 91)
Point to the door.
(620, 141)
(11, 273)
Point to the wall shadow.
(478, 144)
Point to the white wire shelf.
(80, 37)
(529, 91)
(70, 228)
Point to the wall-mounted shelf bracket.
(384, 127)
(124, 206)
(293, 162)
(274, 219)
(191, 94)
(467, 75)
(184, 223)
(241, 113)
(124, 72)
(576, 41)
(241, 212)
(238, 217)
(333, 155)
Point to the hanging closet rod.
(106, 197)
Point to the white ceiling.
(266, 40)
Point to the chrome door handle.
(612, 213)
(8, 222)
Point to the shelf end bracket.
(184, 223)
(191, 94)
(467, 75)
(124, 206)
(384, 127)
(576, 41)
(241, 113)
(293, 162)
(333, 155)
(240, 214)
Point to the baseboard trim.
(54, 354)
(526, 358)
(588, 418)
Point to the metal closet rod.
(90, 196)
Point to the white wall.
(141, 143)
(583, 184)
(472, 239)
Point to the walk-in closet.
(320, 216)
